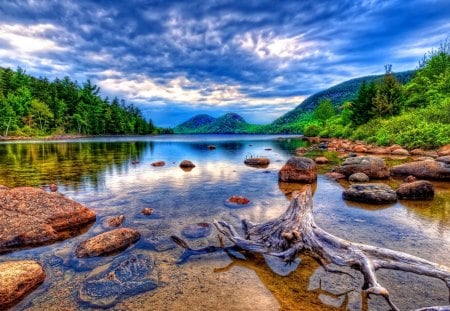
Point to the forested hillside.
(32, 106)
(230, 123)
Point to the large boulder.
(416, 190)
(370, 193)
(17, 279)
(107, 242)
(428, 169)
(31, 216)
(127, 275)
(298, 169)
(373, 167)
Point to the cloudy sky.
(175, 59)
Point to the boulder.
(321, 160)
(31, 217)
(370, 193)
(127, 275)
(379, 150)
(17, 279)
(358, 177)
(444, 150)
(428, 169)
(107, 242)
(371, 166)
(416, 190)
(400, 151)
(360, 149)
(187, 164)
(298, 169)
(394, 147)
(257, 162)
(159, 163)
(417, 152)
(444, 159)
(237, 199)
(196, 231)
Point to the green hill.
(229, 123)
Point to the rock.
(31, 217)
(444, 159)
(257, 162)
(358, 177)
(416, 190)
(107, 242)
(379, 150)
(394, 147)
(409, 178)
(159, 163)
(431, 154)
(238, 200)
(352, 155)
(53, 188)
(268, 149)
(370, 193)
(187, 164)
(417, 152)
(428, 169)
(211, 147)
(196, 231)
(17, 279)
(444, 150)
(147, 211)
(126, 276)
(400, 151)
(424, 159)
(321, 160)
(335, 176)
(371, 166)
(359, 149)
(300, 150)
(116, 221)
(298, 169)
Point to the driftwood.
(295, 232)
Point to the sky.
(176, 59)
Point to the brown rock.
(359, 149)
(418, 152)
(417, 190)
(335, 176)
(371, 166)
(238, 200)
(424, 159)
(298, 169)
(370, 193)
(428, 169)
(116, 221)
(53, 188)
(400, 151)
(107, 242)
(321, 160)
(444, 159)
(17, 279)
(147, 211)
(300, 150)
(379, 150)
(410, 178)
(431, 153)
(257, 162)
(444, 150)
(187, 164)
(358, 177)
(394, 147)
(159, 163)
(31, 216)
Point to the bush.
(312, 130)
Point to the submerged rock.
(416, 190)
(257, 162)
(298, 169)
(17, 279)
(147, 211)
(126, 276)
(371, 166)
(116, 221)
(428, 169)
(31, 216)
(107, 242)
(370, 193)
(237, 199)
(196, 231)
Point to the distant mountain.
(229, 123)
(337, 94)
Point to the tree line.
(31, 106)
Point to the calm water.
(99, 173)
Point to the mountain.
(337, 94)
(229, 123)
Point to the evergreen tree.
(362, 106)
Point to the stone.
(53, 188)
(428, 169)
(298, 169)
(394, 147)
(370, 193)
(17, 279)
(417, 152)
(126, 276)
(257, 162)
(335, 176)
(401, 151)
(211, 147)
(107, 242)
(359, 149)
(444, 159)
(371, 166)
(238, 200)
(444, 150)
(147, 211)
(116, 221)
(416, 190)
(187, 164)
(158, 163)
(379, 150)
(321, 160)
(268, 149)
(31, 217)
(358, 177)
(410, 178)
(196, 231)
(424, 159)
(300, 150)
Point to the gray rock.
(373, 167)
(416, 190)
(298, 169)
(358, 177)
(428, 169)
(444, 159)
(370, 193)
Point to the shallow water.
(100, 174)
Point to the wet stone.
(196, 231)
(127, 275)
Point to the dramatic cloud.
(175, 59)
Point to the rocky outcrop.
(17, 279)
(370, 193)
(358, 177)
(416, 190)
(371, 166)
(298, 169)
(257, 162)
(126, 276)
(31, 216)
(107, 242)
(428, 169)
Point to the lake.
(113, 176)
